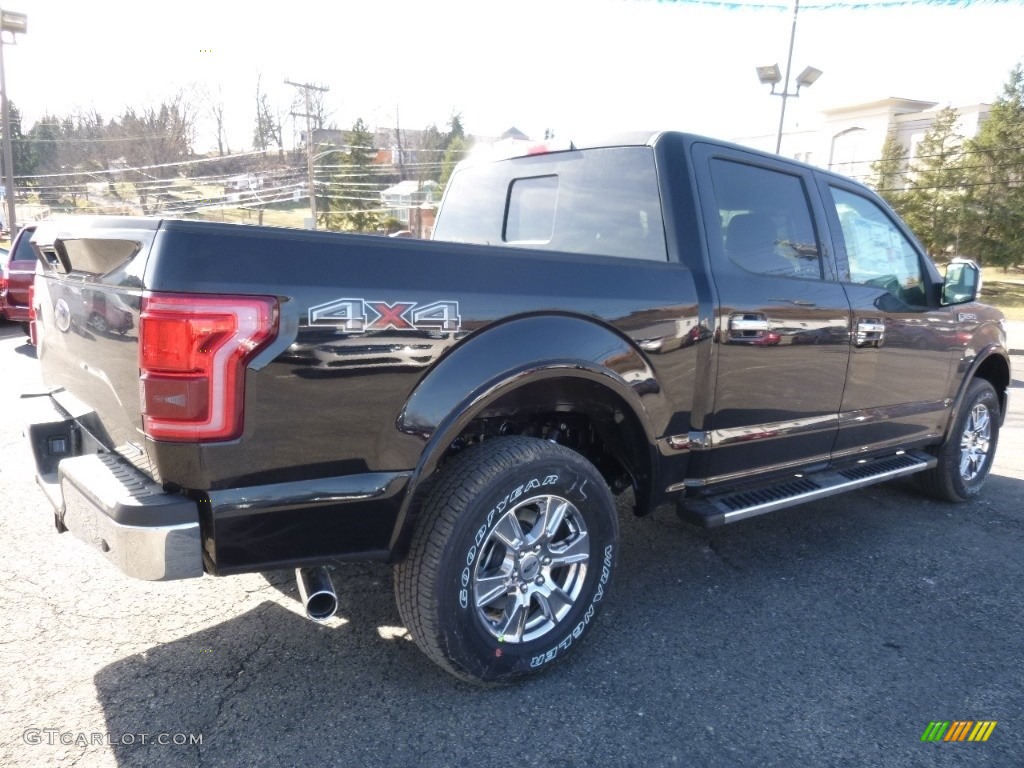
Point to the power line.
(147, 167)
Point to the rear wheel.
(510, 559)
(966, 457)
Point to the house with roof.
(414, 204)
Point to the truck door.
(902, 340)
(782, 321)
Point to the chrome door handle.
(869, 332)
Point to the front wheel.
(966, 457)
(510, 559)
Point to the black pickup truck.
(701, 324)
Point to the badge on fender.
(360, 315)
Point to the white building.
(848, 139)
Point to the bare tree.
(268, 122)
(213, 106)
(152, 139)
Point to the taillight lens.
(193, 352)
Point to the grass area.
(272, 217)
(1008, 296)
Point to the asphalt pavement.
(830, 634)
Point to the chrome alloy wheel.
(975, 442)
(531, 569)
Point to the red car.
(19, 268)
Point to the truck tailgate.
(88, 300)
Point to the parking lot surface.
(830, 634)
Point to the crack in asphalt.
(241, 669)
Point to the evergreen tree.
(352, 201)
(994, 231)
(456, 148)
(933, 204)
(23, 151)
(456, 131)
(456, 151)
(888, 173)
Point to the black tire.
(482, 591)
(966, 457)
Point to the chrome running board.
(732, 506)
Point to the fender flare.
(502, 358)
(991, 351)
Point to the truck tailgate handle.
(869, 332)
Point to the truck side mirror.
(962, 283)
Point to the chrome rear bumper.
(143, 531)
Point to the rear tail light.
(193, 352)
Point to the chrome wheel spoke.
(981, 422)
(509, 532)
(966, 463)
(975, 442)
(552, 517)
(511, 630)
(576, 551)
(553, 602)
(487, 589)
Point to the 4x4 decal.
(360, 315)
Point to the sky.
(580, 68)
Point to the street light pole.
(771, 75)
(785, 89)
(9, 22)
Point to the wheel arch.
(993, 366)
(526, 372)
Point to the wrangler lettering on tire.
(510, 560)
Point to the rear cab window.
(602, 202)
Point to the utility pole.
(306, 89)
(14, 23)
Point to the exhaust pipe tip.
(317, 593)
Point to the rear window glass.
(531, 210)
(601, 201)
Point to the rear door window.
(766, 220)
